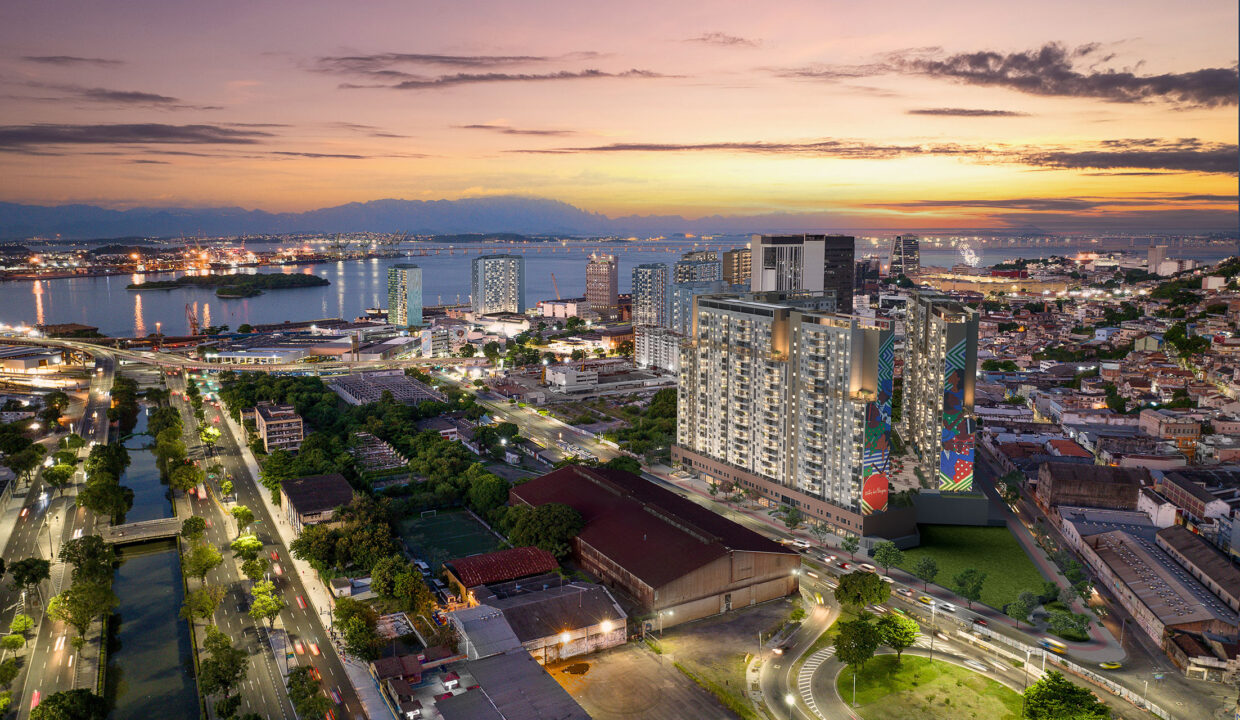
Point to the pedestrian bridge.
(141, 531)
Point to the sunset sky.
(874, 114)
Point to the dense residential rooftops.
(512, 686)
(654, 534)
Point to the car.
(867, 567)
(25, 511)
(977, 666)
(279, 571)
(314, 673)
(942, 635)
(925, 600)
(216, 419)
(34, 699)
(830, 558)
(329, 715)
(980, 621)
(905, 592)
(275, 556)
(1110, 665)
(299, 648)
(314, 649)
(800, 544)
(812, 574)
(77, 534)
(301, 602)
(844, 566)
(1054, 646)
(887, 580)
(335, 693)
(947, 607)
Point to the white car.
(867, 567)
(947, 607)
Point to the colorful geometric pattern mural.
(876, 452)
(956, 457)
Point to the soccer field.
(446, 535)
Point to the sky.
(860, 114)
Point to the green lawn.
(918, 688)
(992, 550)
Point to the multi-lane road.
(263, 691)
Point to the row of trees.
(90, 595)
(103, 493)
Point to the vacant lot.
(992, 550)
(918, 688)
(633, 683)
(446, 535)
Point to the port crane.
(192, 318)
(555, 285)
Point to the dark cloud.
(150, 162)
(966, 112)
(1062, 204)
(370, 130)
(506, 130)
(384, 66)
(108, 96)
(340, 156)
(1184, 155)
(70, 60)
(444, 81)
(718, 38)
(1052, 70)
(28, 138)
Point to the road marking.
(806, 676)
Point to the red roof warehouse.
(670, 554)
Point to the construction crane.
(339, 243)
(192, 318)
(556, 286)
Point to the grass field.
(918, 688)
(445, 536)
(992, 550)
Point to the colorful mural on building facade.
(876, 458)
(956, 455)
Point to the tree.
(413, 594)
(185, 478)
(243, 515)
(8, 673)
(1055, 698)
(73, 442)
(247, 547)
(926, 569)
(200, 560)
(77, 704)
(24, 462)
(969, 585)
(92, 558)
(226, 487)
(1020, 608)
(887, 554)
(1069, 625)
(255, 567)
(103, 495)
(550, 527)
(467, 351)
(13, 642)
(27, 574)
(492, 351)
(316, 544)
(245, 328)
(209, 435)
(897, 632)
(225, 666)
(202, 603)
(303, 692)
(850, 544)
(858, 589)
(58, 476)
(266, 604)
(358, 623)
(792, 518)
(21, 624)
(81, 604)
(856, 642)
(820, 531)
(383, 575)
(193, 528)
(625, 463)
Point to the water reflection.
(139, 323)
(38, 302)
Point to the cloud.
(370, 130)
(109, 96)
(68, 60)
(1183, 155)
(444, 81)
(1052, 70)
(718, 38)
(29, 138)
(341, 156)
(966, 112)
(384, 66)
(1060, 204)
(150, 162)
(506, 130)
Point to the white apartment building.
(657, 348)
(498, 284)
(650, 301)
(783, 396)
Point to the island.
(236, 286)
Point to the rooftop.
(1160, 584)
(1206, 559)
(317, 493)
(502, 565)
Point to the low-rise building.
(313, 500)
(1088, 485)
(467, 573)
(279, 426)
(1203, 562)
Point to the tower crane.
(192, 318)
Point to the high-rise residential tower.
(940, 368)
(816, 263)
(905, 255)
(738, 266)
(405, 295)
(1155, 257)
(650, 295)
(602, 289)
(697, 266)
(498, 284)
(782, 396)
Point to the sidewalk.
(317, 595)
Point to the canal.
(150, 671)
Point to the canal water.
(150, 671)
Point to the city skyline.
(832, 115)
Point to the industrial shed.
(1098, 486)
(672, 556)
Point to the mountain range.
(515, 214)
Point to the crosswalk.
(806, 676)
